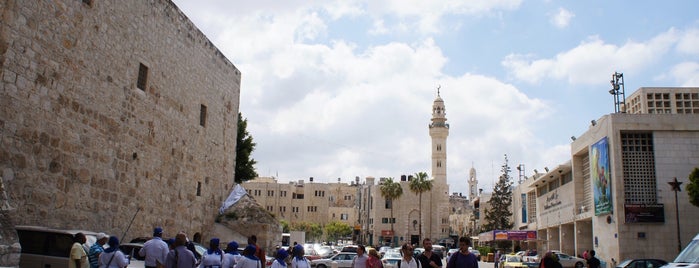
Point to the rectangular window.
(142, 77)
(388, 204)
(270, 192)
(199, 188)
(344, 216)
(202, 116)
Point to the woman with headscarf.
(299, 261)
(213, 257)
(231, 256)
(280, 259)
(113, 257)
(550, 260)
(249, 260)
(374, 261)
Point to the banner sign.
(641, 213)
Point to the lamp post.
(676, 188)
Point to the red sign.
(386, 233)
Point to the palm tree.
(391, 190)
(421, 183)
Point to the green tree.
(314, 231)
(336, 230)
(693, 187)
(285, 226)
(244, 165)
(497, 216)
(420, 184)
(391, 190)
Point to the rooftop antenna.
(618, 90)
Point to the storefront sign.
(640, 213)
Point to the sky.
(344, 89)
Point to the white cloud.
(379, 28)
(686, 74)
(561, 18)
(591, 60)
(689, 42)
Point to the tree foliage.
(692, 187)
(497, 216)
(337, 230)
(391, 190)
(420, 184)
(314, 232)
(285, 226)
(244, 164)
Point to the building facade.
(112, 111)
(614, 194)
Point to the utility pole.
(676, 188)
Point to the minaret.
(472, 184)
(438, 207)
(439, 130)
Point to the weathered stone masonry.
(82, 147)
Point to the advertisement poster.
(601, 177)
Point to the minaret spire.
(438, 87)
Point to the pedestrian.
(298, 259)
(497, 258)
(429, 259)
(585, 255)
(374, 261)
(213, 257)
(231, 257)
(249, 260)
(463, 258)
(78, 254)
(280, 259)
(112, 257)
(407, 260)
(96, 249)
(155, 250)
(592, 261)
(550, 260)
(359, 261)
(259, 252)
(180, 256)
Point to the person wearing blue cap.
(299, 260)
(112, 257)
(280, 259)
(212, 258)
(249, 260)
(231, 256)
(155, 250)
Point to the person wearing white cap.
(96, 249)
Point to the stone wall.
(83, 147)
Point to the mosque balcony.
(439, 124)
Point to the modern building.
(614, 196)
(111, 112)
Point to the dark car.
(641, 263)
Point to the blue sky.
(338, 89)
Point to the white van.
(689, 257)
(46, 247)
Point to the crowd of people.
(177, 252)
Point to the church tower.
(438, 207)
(472, 185)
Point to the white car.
(568, 261)
(391, 259)
(343, 259)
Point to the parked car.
(568, 261)
(350, 248)
(46, 247)
(131, 251)
(641, 263)
(418, 251)
(391, 259)
(382, 250)
(439, 249)
(512, 261)
(476, 253)
(343, 259)
(689, 257)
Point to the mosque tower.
(438, 207)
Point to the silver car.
(568, 261)
(343, 259)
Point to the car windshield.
(624, 263)
(690, 254)
(514, 258)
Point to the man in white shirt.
(408, 261)
(155, 250)
(360, 260)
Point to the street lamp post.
(676, 188)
